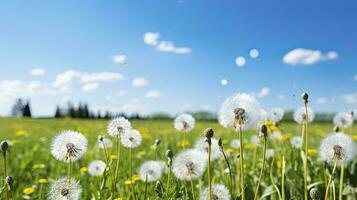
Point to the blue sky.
(303, 46)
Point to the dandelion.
(163, 165)
(69, 146)
(28, 191)
(150, 171)
(228, 169)
(169, 154)
(118, 126)
(240, 112)
(337, 148)
(202, 145)
(343, 120)
(276, 114)
(96, 168)
(300, 115)
(263, 132)
(60, 191)
(4, 146)
(189, 165)
(42, 181)
(83, 170)
(296, 141)
(131, 139)
(184, 123)
(219, 192)
(104, 142)
(235, 144)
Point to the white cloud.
(240, 61)
(120, 59)
(139, 82)
(90, 87)
(134, 106)
(308, 56)
(264, 92)
(121, 93)
(151, 38)
(321, 100)
(350, 98)
(168, 46)
(37, 72)
(64, 81)
(153, 94)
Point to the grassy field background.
(30, 158)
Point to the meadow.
(33, 167)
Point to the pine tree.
(26, 110)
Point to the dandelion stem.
(5, 175)
(306, 149)
(330, 180)
(168, 182)
(241, 162)
(69, 173)
(341, 181)
(118, 162)
(192, 189)
(230, 171)
(262, 169)
(209, 171)
(283, 179)
(131, 172)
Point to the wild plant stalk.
(272, 179)
(240, 132)
(169, 155)
(192, 190)
(341, 181)
(131, 172)
(69, 172)
(330, 180)
(209, 171)
(109, 167)
(263, 132)
(228, 165)
(283, 179)
(117, 164)
(5, 175)
(305, 98)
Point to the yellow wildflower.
(287, 136)
(42, 181)
(21, 133)
(230, 150)
(113, 157)
(135, 177)
(184, 143)
(224, 141)
(83, 169)
(129, 182)
(141, 154)
(28, 191)
(354, 137)
(312, 152)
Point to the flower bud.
(4, 146)
(220, 142)
(209, 133)
(263, 130)
(9, 181)
(157, 142)
(314, 194)
(336, 129)
(305, 97)
(169, 153)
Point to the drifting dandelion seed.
(219, 192)
(59, 190)
(296, 141)
(202, 145)
(104, 142)
(300, 115)
(69, 146)
(150, 171)
(276, 114)
(241, 110)
(189, 165)
(235, 144)
(343, 120)
(118, 126)
(96, 168)
(131, 139)
(337, 147)
(184, 123)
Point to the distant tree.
(107, 115)
(26, 110)
(99, 115)
(17, 108)
(86, 112)
(58, 112)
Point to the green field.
(30, 159)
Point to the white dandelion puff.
(59, 190)
(150, 171)
(296, 141)
(189, 165)
(219, 192)
(235, 144)
(96, 168)
(337, 147)
(269, 153)
(241, 110)
(276, 114)
(69, 145)
(118, 126)
(202, 145)
(300, 115)
(104, 142)
(131, 139)
(276, 135)
(163, 165)
(343, 120)
(184, 123)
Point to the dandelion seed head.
(189, 164)
(69, 145)
(104, 142)
(118, 126)
(202, 145)
(276, 114)
(296, 141)
(219, 192)
(184, 122)
(150, 171)
(241, 110)
(96, 168)
(337, 147)
(300, 115)
(131, 139)
(235, 144)
(343, 120)
(59, 190)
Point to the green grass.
(33, 148)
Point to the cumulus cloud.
(264, 92)
(307, 56)
(37, 72)
(152, 38)
(321, 100)
(350, 98)
(153, 94)
(90, 87)
(134, 106)
(120, 59)
(139, 82)
(64, 81)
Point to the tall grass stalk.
(342, 173)
(192, 190)
(306, 148)
(283, 179)
(117, 164)
(228, 165)
(241, 160)
(5, 175)
(330, 180)
(69, 173)
(262, 169)
(209, 171)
